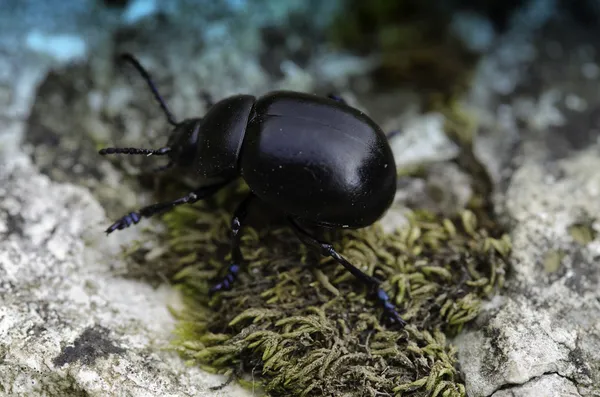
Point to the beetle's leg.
(146, 212)
(328, 250)
(336, 98)
(237, 222)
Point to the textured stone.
(542, 335)
(552, 385)
(422, 140)
(70, 323)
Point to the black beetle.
(317, 159)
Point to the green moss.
(301, 325)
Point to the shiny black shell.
(318, 160)
(223, 127)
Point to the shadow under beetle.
(318, 160)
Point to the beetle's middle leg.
(327, 249)
(135, 216)
(237, 222)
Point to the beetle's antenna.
(131, 150)
(130, 58)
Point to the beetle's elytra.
(317, 159)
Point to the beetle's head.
(182, 144)
(181, 147)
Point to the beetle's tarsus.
(124, 222)
(227, 282)
(389, 308)
(328, 250)
(237, 222)
(135, 216)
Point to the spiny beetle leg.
(328, 250)
(135, 216)
(237, 222)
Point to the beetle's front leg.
(237, 222)
(135, 217)
(327, 250)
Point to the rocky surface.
(69, 323)
(541, 336)
(545, 328)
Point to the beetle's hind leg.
(135, 217)
(327, 249)
(237, 222)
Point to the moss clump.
(303, 326)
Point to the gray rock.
(552, 385)
(541, 337)
(421, 140)
(68, 323)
